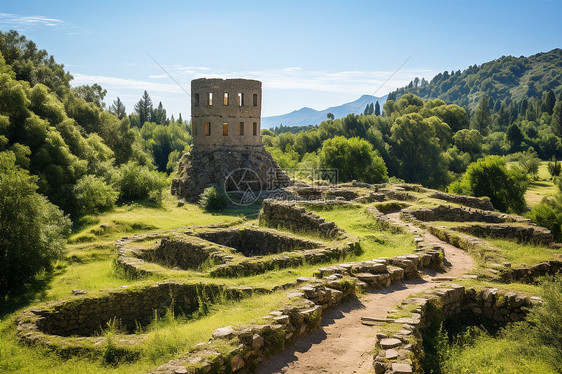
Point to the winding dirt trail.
(342, 344)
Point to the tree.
(32, 230)
(490, 177)
(549, 102)
(91, 94)
(159, 115)
(514, 136)
(118, 108)
(481, 118)
(330, 116)
(554, 167)
(354, 159)
(144, 108)
(416, 145)
(556, 121)
(377, 109)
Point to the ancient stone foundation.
(202, 168)
(402, 351)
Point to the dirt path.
(342, 344)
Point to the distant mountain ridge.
(308, 116)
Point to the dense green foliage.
(354, 159)
(489, 176)
(507, 78)
(32, 230)
(213, 199)
(75, 147)
(138, 182)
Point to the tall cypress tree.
(377, 109)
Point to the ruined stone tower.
(225, 120)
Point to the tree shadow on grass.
(28, 294)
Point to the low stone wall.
(75, 325)
(523, 234)
(289, 215)
(473, 202)
(402, 351)
(456, 214)
(530, 274)
(184, 254)
(254, 266)
(254, 242)
(252, 344)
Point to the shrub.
(548, 214)
(490, 177)
(93, 195)
(554, 167)
(32, 230)
(136, 182)
(213, 200)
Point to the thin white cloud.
(291, 78)
(26, 22)
(125, 84)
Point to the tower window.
(241, 128)
(225, 129)
(207, 128)
(240, 99)
(196, 103)
(255, 99)
(210, 98)
(255, 128)
(194, 128)
(225, 100)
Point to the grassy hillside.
(508, 77)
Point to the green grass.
(488, 354)
(540, 188)
(520, 253)
(137, 218)
(168, 339)
(374, 242)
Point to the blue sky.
(306, 53)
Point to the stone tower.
(225, 120)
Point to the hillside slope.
(508, 77)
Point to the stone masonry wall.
(523, 234)
(402, 351)
(286, 214)
(456, 214)
(473, 202)
(88, 315)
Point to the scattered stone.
(391, 354)
(223, 333)
(400, 368)
(390, 343)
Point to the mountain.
(308, 116)
(507, 78)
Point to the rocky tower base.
(202, 168)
